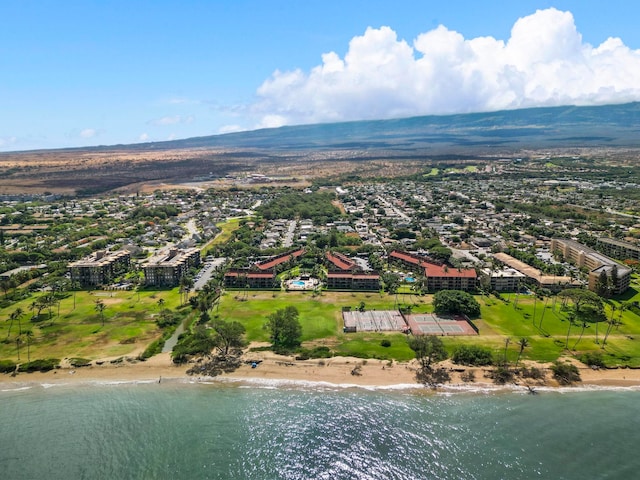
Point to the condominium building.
(438, 277)
(596, 263)
(167, 269)
(100, 268)
(353, 281)
(237, 278)
(534, 276)
(619, 249)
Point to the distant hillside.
(362, 148)
(561, 127)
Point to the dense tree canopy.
(316, 206)
(285, 329)
(428, 349)
(455, 302)
(228, 335)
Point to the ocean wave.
(16, 389)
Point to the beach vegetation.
(228, 335)
(468, 376)
(197, 342)
(592, 359)
(7, 366)
(432, 377)
(79, 362)
(502, 374)
(428, 349)
(474, 355)
(565, 373)
(533, 373)
(316, 352)
(285, 330)
(40, 365)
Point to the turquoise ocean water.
(238, 431)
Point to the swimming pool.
(298, 283)
(409, 279)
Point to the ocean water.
(306, 431)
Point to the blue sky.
(108, 72)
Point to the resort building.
(437, 277)
(505, 279)
(619, 249)
(100, 268)
(280, 259)
(535, 277)
(167, 269)
(340, 263)
(596, 263)
(237, 278)
(353, 281)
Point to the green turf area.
(77, 331)
(130, 324)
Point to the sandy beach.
(271, 367)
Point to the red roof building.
(340, 262)
(280, 259)
(438, 277)
(245, 278)
(353, 281)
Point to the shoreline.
(275, 371)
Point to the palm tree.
(75, 286)
(15, 315)
(99, 307)
(18, 342)
(535, 302)
(524, 343)
(584, 325)
(571, 319)
(29, 335)
(546, 293)
(506, 346)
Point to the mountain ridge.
(564, 126)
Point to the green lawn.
(77, 331)
(130, 325)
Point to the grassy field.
(130, 325)
(77, 331)
(226, 230)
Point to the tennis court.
(432, 324)
(374, 321)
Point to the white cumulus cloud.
(88, 133)
(544, 62)
(230, 129)
(171, 120)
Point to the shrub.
(501, 375)
(592, 359)
(79, 362)
(199, 342)
(469, 376)
(40, 365)
(533, 373)
(565, 373)
(154, 348)
(317, 352)
(385, 343)
(7, 366)
(432, 377)
(473, 355)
